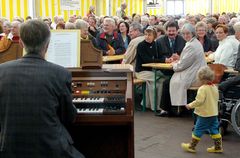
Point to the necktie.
(172, 44)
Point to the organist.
(35, 101)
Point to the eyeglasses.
(201, 30)
(220, 32)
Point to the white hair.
(236, 27)
(81, 24)
(144, 18)
(110, 21)
(189, 27)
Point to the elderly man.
(136, 35)
(6, 41)
(35, 101)
(55, 21)
(109, 41)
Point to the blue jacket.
(116, 42)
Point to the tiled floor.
(157, 137)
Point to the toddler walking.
(206, 108)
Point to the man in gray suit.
(35, 101)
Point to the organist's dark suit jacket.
(35, 102)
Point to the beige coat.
(185, 71)
(130, 55)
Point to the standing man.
(35, 101)
(121, 11)
(136, 35)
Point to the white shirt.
(226, 52)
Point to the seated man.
(109, 41)
(36, 101)
(6, 41)
(135, 32)
(170, 45)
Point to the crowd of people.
(183, 42)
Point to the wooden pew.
(14, 52)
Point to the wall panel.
(197, 6)
(13, 8)
(133, 6)
(50, 8)
(219, 6)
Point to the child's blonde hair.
(205, 74)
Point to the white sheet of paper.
(64, 48)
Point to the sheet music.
(64, 48)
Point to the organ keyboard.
(104, 102)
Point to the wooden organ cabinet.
(104, 127)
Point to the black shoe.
(162, 114)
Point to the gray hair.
(201, 24)
(144, 18)
(7, 24)
(136, 26)
(110, 20)
(16, 23)
(35, 35)
(236, 27)
(81, 24)
(69, 25)
(190, 28)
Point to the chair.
(14, 52)
(218, 71)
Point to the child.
(206, 108)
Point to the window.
(175, 7)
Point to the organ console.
(104, 124)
